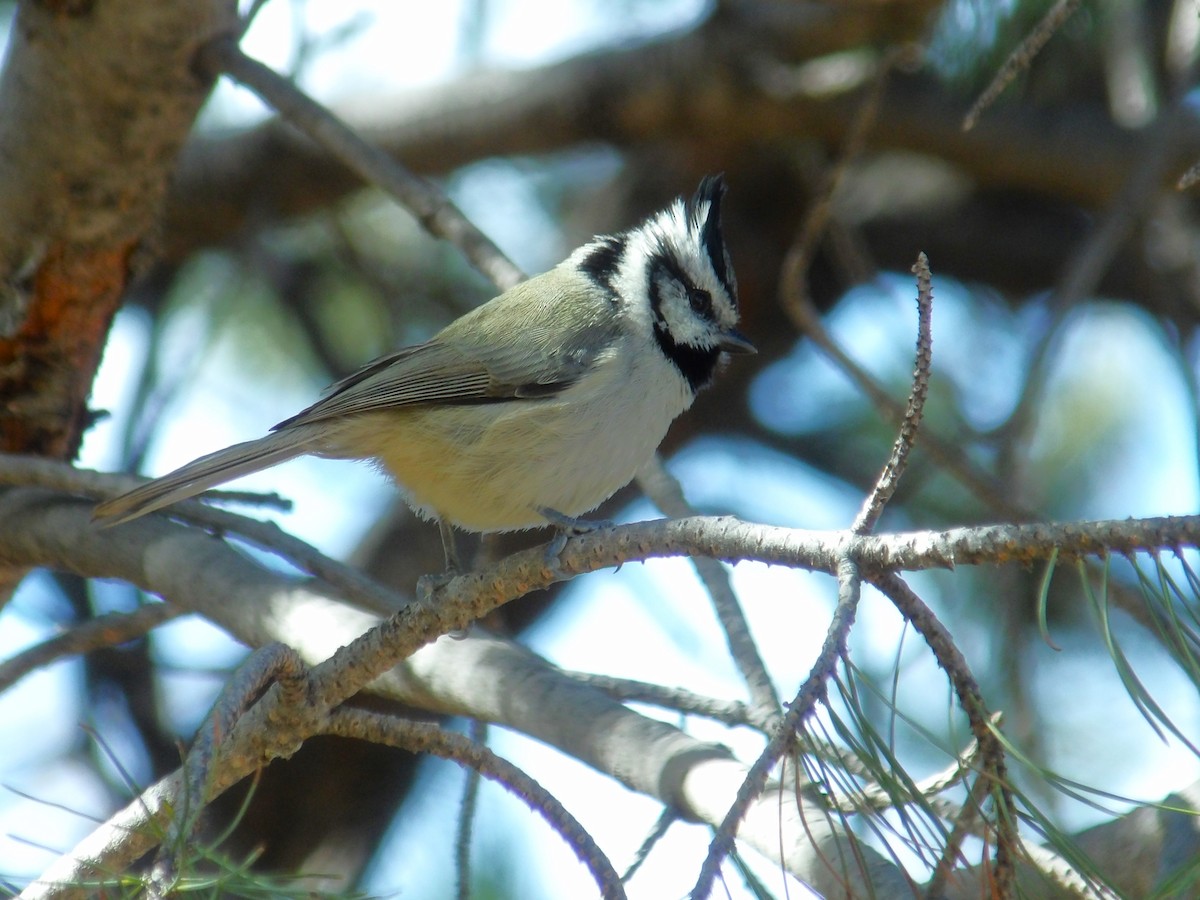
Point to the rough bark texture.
(98, 98)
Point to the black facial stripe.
(665, 261)
(696, 364)
(601, 264)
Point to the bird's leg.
(427, 585)
(567, 527)
(449, 546)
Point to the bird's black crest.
(712, 191)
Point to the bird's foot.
(567, 527)
(428, 585)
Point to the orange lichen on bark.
(47, 364)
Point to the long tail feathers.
(203, 473)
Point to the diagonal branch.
(970, 698)
(422, 737)
(103, 631)
(667, 494)
(811, 692)
(1020, 59)
(431, 207)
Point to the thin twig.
(970, 698)
(1086, 267)
(735, 713)
(820, 211)
(662, 824)
(1020, 59)
(666, 493)
(889, 478)
(798, 305)
(875, 797)
(359, 588)
(949, 457)
(249, 15)
(728, 712)
(970, 812)
(466, 815)
(104, 631)
(811, 691)
(422, 737)
(431, 207)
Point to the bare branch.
(662, 825)
(466, 816)
(889, 479)
(667, 494)
(421, 737)
(103, 631)
(479, 676)
(812, 691)
(725, 538)
(273, 664)
(1020, 59)
(729, 712)
(970, 698)
(432, 208)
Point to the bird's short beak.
(733, 341)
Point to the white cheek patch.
(683, 324)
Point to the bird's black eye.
(701, 302)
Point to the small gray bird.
(533, 408)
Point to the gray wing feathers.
(203, 473)
(427, 373)
(503, 351)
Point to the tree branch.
(102, 631)
(667, 494)
(674, 89)
(484, 678)
(490, 679)
(81, 188)
(889, 478)
(431, 207)
(421, 737)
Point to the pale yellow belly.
(492, 467)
